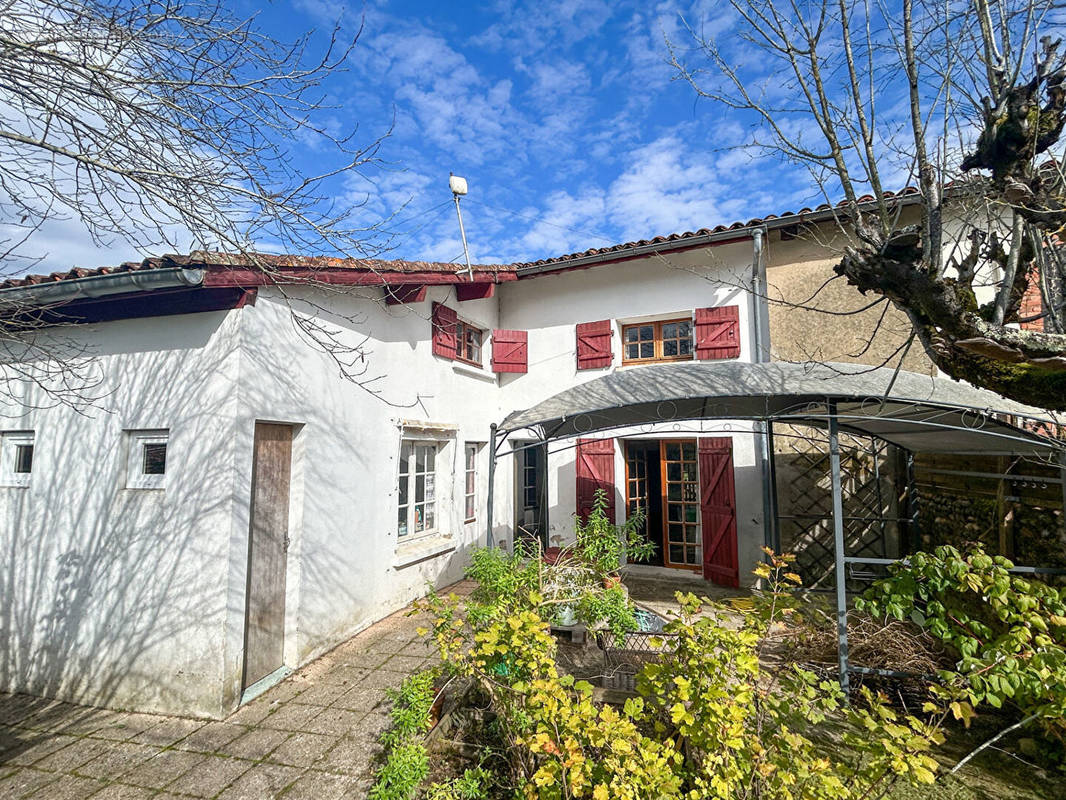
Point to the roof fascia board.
(228, 276)
(65, 291)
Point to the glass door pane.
(681, 500)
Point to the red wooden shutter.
(510, 351)
(405, 293)
(595, 470)
(594, 344)
(718, 511)
(474, 291)
(444, 322)
(718, 332)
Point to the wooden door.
(718, 511)
(268, 544)
(681, 504)
(594, 466)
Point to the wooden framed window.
(417, 489)
(468, 343)
(470, 482)
(668, 340)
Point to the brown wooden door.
(718, 511)
(681, 504)
(268, 544)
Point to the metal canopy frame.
(850, 402)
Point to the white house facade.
(230, 505)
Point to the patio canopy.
(916, 412)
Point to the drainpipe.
(763, 428)
(758, 290)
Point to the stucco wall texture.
(815, 316)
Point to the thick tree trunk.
(1025, 365)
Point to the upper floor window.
(16, 458)
(146, 466)
(669, 340)
(468, 343)
(417, 489)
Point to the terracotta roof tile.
(222, 261)
(675, 237)
(282, 263)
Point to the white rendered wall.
(347, 567)
(136, 599)
(650, 288)
(112, 596)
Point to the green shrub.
(1009, 631)
(601, 544)
(610, 607)
(406, 760)
(710, 722)
(403, 772)
(471, 785)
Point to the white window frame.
(407, 490)
(136, 478)
(470, 479)
(10, 443)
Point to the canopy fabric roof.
(916, 412)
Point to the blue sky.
(563, 117)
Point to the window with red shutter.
(510, 351)
(718, 332)
(444, 331)
(595, 470)
(594, 345)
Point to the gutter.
(65, 291)
(717, 237)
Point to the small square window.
(16, 458)
(147, 463)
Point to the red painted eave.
(342, 276)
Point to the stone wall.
(1019, 516)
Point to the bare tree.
(169, 125)
(967, 102)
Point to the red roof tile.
(783, 218)
(282, 263)
(289, 263)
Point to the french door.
(681, 503)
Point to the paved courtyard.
(312, 736)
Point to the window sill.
(473, 372)
(427, 547)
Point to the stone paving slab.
(314, 736)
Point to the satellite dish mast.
(458, 187)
